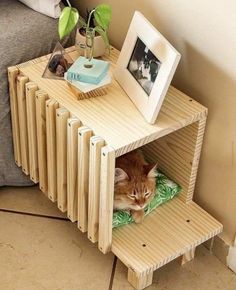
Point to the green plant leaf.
(104, 36)
(102, 15)
(67, 21)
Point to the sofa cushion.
(24, 34)
(48, 7)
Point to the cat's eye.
(132, 195)
(147, 194)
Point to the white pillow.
(48, 7)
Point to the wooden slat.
(12, 75)
(96, 144)
(84, 135)
(72, 168)
(31, 88)
(21, 99)
(110, 115)
(106, 198)
(61, 132)
(51, 106)
(167, 233)
(41, 98)
(178, 154)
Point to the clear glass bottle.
(90, 34)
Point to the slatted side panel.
(106, 198)
(96, 144)
(41, 98)
(62, 116)
(51, 106)
(72, 168)
(177, 155)
(31, 89)
(58, 153)
(84, 135)
(21, 99)
(12, 76)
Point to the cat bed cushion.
(166, 189)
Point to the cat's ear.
(150, 170)
(120, 175)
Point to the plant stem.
(87, 29)
(89, 18)
(68, 2)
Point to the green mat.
(166, 190)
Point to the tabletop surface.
(113, 116)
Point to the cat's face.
(134, 192)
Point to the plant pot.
(80, 43)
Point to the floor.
(41, 249)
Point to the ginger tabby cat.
(135, 184)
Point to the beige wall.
(205, 34)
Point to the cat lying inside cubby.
(139, 188)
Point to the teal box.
(93, 75)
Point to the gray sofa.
(24, 34)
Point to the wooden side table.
(69, 146)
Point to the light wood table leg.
(139, 282)
(188, 256)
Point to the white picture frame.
(146, 92)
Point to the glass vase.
(90, 34)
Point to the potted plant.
(80, 39)
(92, 33)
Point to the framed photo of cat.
(146, 66)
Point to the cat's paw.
(138, 216)
(128, 211)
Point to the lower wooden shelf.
(172, 230)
